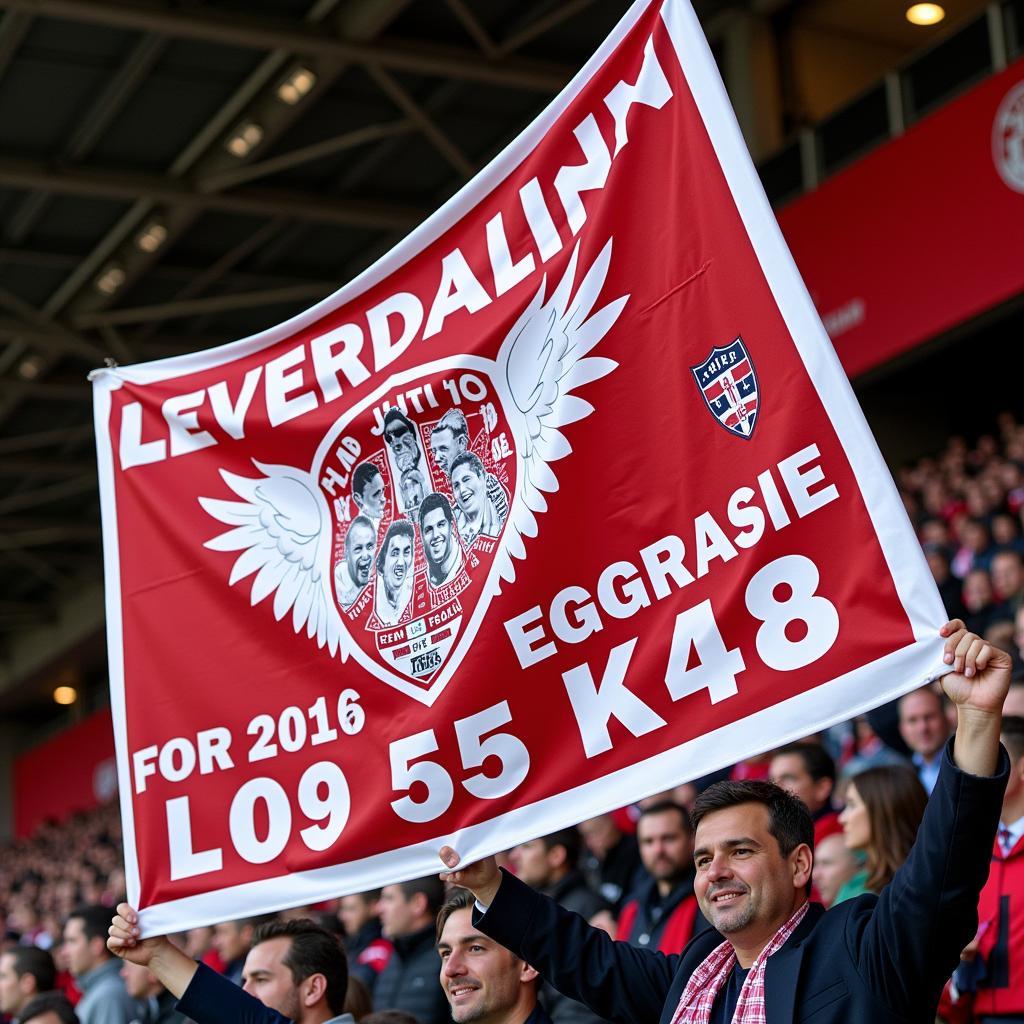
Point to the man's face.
(397, 560)
(743, 882)
(371, 501)
(531, 863)
(12, 999)
(922, 723)
(468, 489)
(360, 542)
(229, 941)
(397, 914)
(833, 866)
(138, 982)
(977, 590)
(437, 536)
(444, 447)
(267, 978)
(77, 948)
(354, 912)
(790, 772)
(1007, 576)
(403, 444)
(599, 834)
(482, 980)
(665, 845)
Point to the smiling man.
(394, 572)
(483, 982)
(476, 512)
(775, 956)
(443, 551)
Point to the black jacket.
(411, 980)
(211, 999)
(872, 960)
(573, 894)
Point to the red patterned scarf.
(712, 973)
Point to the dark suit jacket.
(211, 999)
(872, 960)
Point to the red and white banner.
(562, 502)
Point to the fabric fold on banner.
(564, 501)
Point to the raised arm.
(977, 686)
(173, 968)
(908, 946)
(612, 979)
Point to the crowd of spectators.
(629, 871)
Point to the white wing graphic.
(541, 362)
(282, 526)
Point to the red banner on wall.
(564, 501)
(74, 771)
(921, 234)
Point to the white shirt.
(1016, 830)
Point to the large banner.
(564, 501)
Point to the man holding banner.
(873, 959)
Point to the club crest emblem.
(391, 545)
(728, 383)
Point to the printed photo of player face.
(368, 490)
(401, 439)
(360, 542)
(449, 438)
(437, 536)
(469, 490)
(412, 489)
(397, 561)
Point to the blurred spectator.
(368, 951)
(157, 1004)
(834, 865)
(979, 600)
(358, 1000)
(975, 548)
(97, 972)
(925, 729)
(1008, 580)
(1000, 941)
(1014, 703)
(949, 587)
(199, 946)
(550, 864)
(232, 940)
(25, 972)
(663, 914)
(807, 771)
(409, 981)
(611, 864)
(49, 1008)
(884, 807)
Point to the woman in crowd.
(884, 807)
